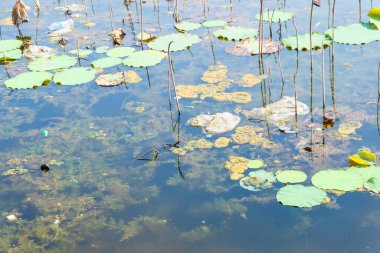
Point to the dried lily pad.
(214, 23)
(9, 45)
(34, 51)
(304, 42)
(117, 35)
(215, 124)
(52, 63)
(355, 34)
(144, 58)
(342, 180)
(74, 76)
(291, 176)
(251, 46)
(186, 26)
(120, 52)
(237, 97)
(235, 33)
(16, 171)
(106, 62)
(275, 16)
(300, 196)
(257, 180)
(180, 42)
(250, 80)
(29, 80)
(118, 78)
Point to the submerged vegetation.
(149, 126)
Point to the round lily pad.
(275, 16)
(300, 196)
(101, 50)
(257, 180)
(355, 34)
(120, 52)
(144, 58)
(106, 62)
(9, 45)
(180, 42)
(304, 42)
(341, 180)
(366, 172)
(235, 33)
(74, 76)
(214, 23)
(82, 52)
(186, 26)
(291, 176)
(51, 63)
(11, 55)
(29, 80)
(255, 164)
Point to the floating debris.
(222, 142)
(249, 80)
(45, 168)
(258, 180)
(216, 123)
(200, 144)
(237, 97)
(248, 134)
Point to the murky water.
(98, 198)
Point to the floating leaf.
(304, 42)
(28, 80)
(355, 34)
(257, 180)
(74, 76)
(101, 50)
(54, 62)
(9, 45)
(11, 55)
(214, 23)
(255, 164)
(120, 52)
(146, 37)
(291, 176)
(235, 33)
(106, 62)
(118, 78)
(373, 184)
(366, 172)
(82, 52)
(374, 13)
(275, 16)
(144, 58)
(180, 42)
(186, 26)
(16, 171)
(342, 180)
(251, 46)
(300, 196)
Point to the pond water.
(97, 197)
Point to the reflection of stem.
(111, 15)
(37, 24)
(378, 98)
(294, 79)
(212, 47)
(360, 11)
(130, 19)
(148, 76)
(78, 54)
(171, 70)
(323, 81)
(282, 76)
(141, 25)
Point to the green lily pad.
(257, 180)
(9, 45)
(214, 23)
(275, 16)
(180, 42)
(374, 13)
(291, 176)
(355, 34)
(304, 42)
(74, 76)
(11, 55)
(101, 50)
(120, 52)
(255, 164)
(342, 180)
(186, 26)
(375, 23)
(52, 63)
(235, 33)
(16, 171)
(106, 62)
(300, 196)
(144, 58)
(373, 184)
(82, 52)
(366, 172)
(29, 80)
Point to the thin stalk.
(111, 14)
(171, 70)
(141, 25)
(323, 80)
